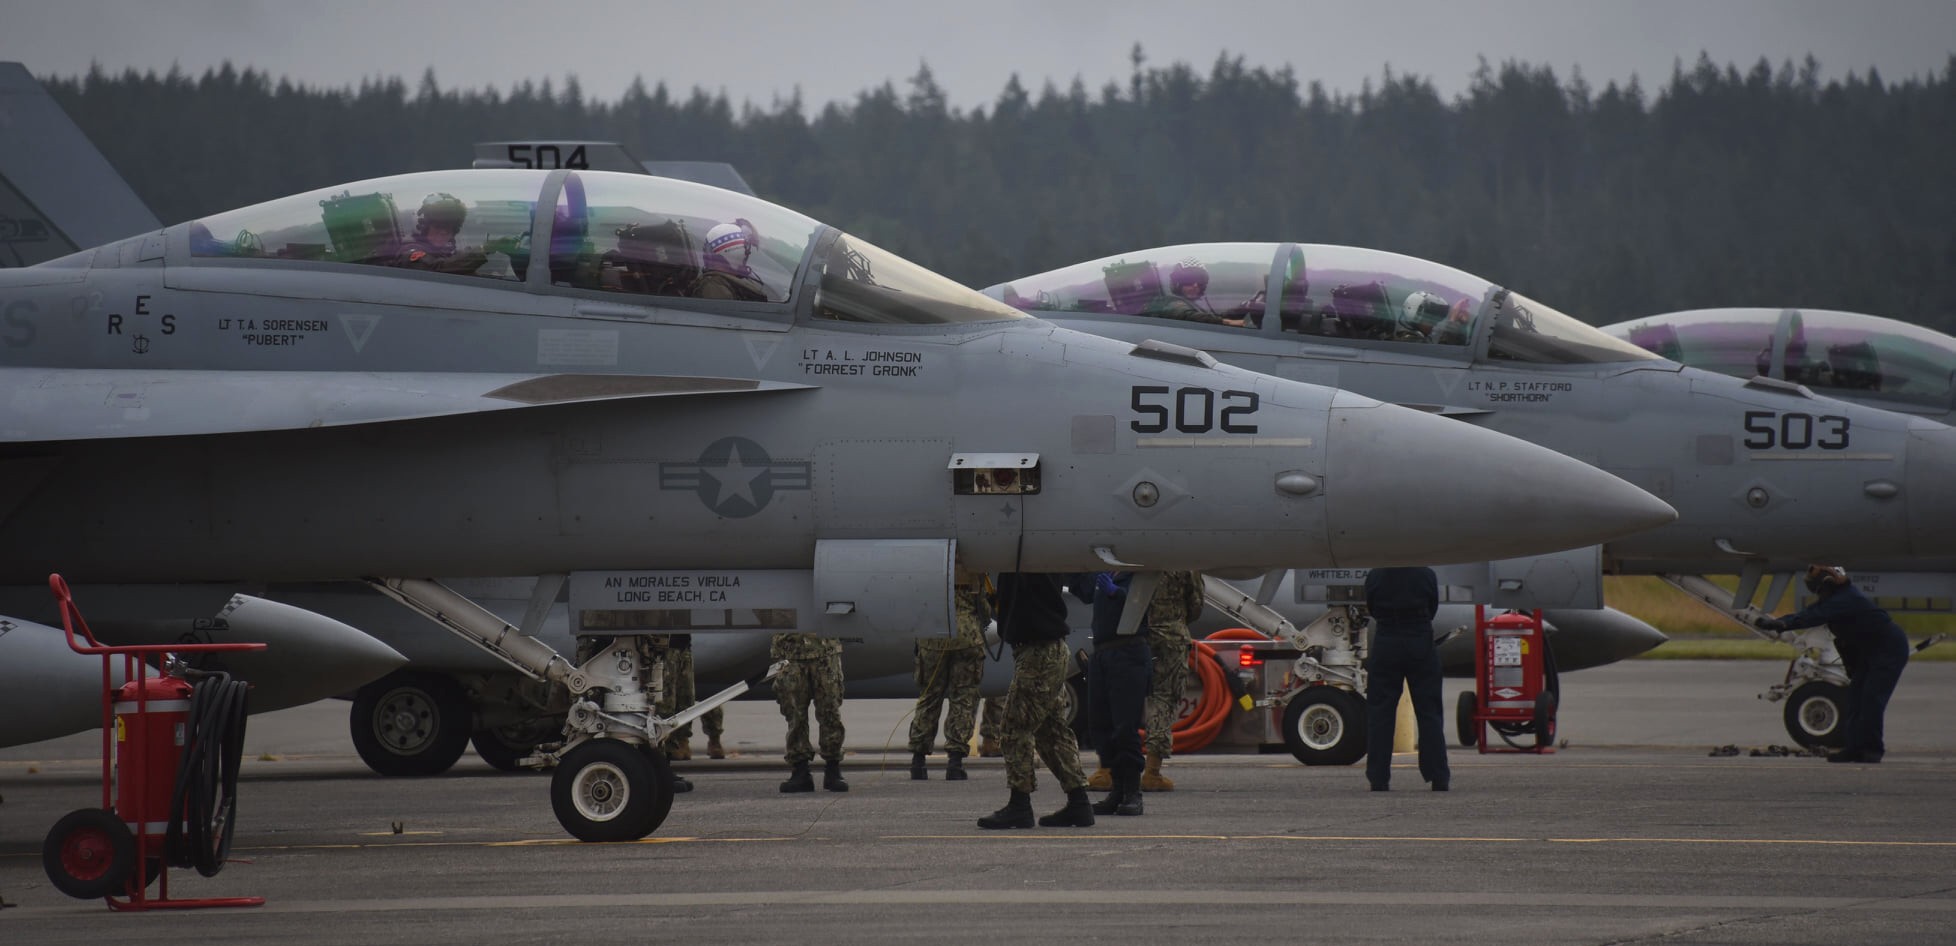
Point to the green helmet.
(441, 210)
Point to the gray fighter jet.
(1855, 357)
(1766, 475)
(700, 411)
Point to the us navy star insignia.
(734, 477)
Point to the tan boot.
(1102, 780)
(714, 749)
(679, 751)
(988, 748)
(1151, 778)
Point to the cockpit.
(1337, 294)
(1844, 353)
(626, 237)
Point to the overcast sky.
(759, 50)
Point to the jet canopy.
(1858, 356)
(610, 235)
(1361, 297)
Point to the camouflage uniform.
(1033, 721)
(1178, 596)
(949, 668)
(680, 694)
(813, 673)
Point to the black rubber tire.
(1546, 704)
(609, 790)
(1814, 714)
(410, 723)
(1325, 725)
(1464, 726)
(89, 854)
(504, 747)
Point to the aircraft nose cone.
(1585, 639)
(1409, 488)
(1930, 468)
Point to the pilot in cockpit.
(433, 245)
(726, 274)
(1427, 316)
(1188, 282)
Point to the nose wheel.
(1325, 725)
(611, 790)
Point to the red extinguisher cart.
(148, 737)
(1515, 691)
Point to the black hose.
(204, 806)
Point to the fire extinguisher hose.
(205, 804)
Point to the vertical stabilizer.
(57, 193)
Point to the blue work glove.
(1769, 624)
(1103, 583)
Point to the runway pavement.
(1633, 833)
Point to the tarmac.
(1634, 831)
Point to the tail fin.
(57, 193)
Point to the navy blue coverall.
(1874, 650)
(1403, 602)
(1118, 675)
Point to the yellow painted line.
(1009, 836)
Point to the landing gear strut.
(611, 783)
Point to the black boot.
(1130, 803)
(1112, 802)
(799, 780)
(832, 776)
(917, 773)
(1017, 813)
(1078, 812)
(680, 786)
(954, 767)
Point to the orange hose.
(1199, 728)
(1237, 634)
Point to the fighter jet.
(1855, 357)
(1766, 474)
(701, 411)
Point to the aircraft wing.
(46, 404)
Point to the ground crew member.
(1032, 618)
(1873, 649)
(680, 692)
(1402, 602)
(1177, 603)
(1117, 691)
(949, 668)
(813, 674)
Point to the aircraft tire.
(1464, 725)
(89, 854)
(611, 790)
(1814, 714)
(505, 746)
(411, 723)
(1325, 725)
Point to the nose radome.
(1404, 487)
(1928, 472)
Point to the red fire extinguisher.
(148, 748)
(1514, 690)
(170, 759)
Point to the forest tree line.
(1764, 186)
